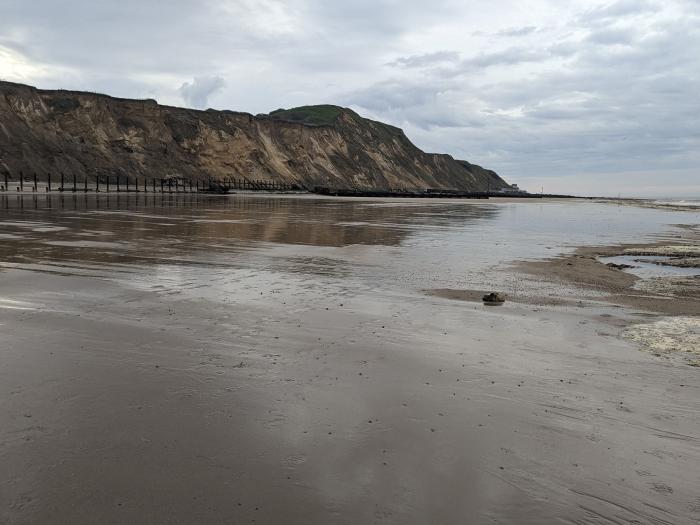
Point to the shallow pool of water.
(649, 267)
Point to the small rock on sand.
(494, 298)
(619, 266)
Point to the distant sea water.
(677, 201)
(362, 244)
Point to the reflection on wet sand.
(153, 228)
(274, 360)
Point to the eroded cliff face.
(90, 134)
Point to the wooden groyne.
(61, 182)
(434, 194)
(408, 194)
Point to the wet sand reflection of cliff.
(143, 228)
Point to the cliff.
(89, 134)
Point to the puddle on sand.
(650, 266)
(11, 304)
(89, 244)
(47, 229)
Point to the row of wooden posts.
(121, 183)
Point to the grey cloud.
(446, 69)
(518, 31)
(564, 48)
(392, 94)
(197, 92)
(88, 34)
(612, 36)
(602, 111)
(618, 9)
(428, 59)
(379, 17)
(510, 56)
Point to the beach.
(277, 359)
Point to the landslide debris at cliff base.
(89, 135)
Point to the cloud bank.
(197, 92)
(598, 97)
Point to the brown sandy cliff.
(89, 134)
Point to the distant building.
(513, 188)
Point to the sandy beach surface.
(294, 360)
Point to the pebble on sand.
(494, 298)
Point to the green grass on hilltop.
(324, 115)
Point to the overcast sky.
(575, 96)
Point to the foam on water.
(673, 334)
(679, 202)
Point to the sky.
(562, 96)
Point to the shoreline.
(659, 314)
(369, 196)
(584, 269)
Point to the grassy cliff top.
(324, 115)
(327, 115)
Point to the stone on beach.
(619, 266)
(494, 298)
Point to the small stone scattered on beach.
(494, 298)
(619, 266)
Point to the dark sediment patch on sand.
(584, 270)
(685, 262)
(670, 303)
(678, 256)
(476, 296)
(669, 296)
(675, 332)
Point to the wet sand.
(258, 364)
(586, 268)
